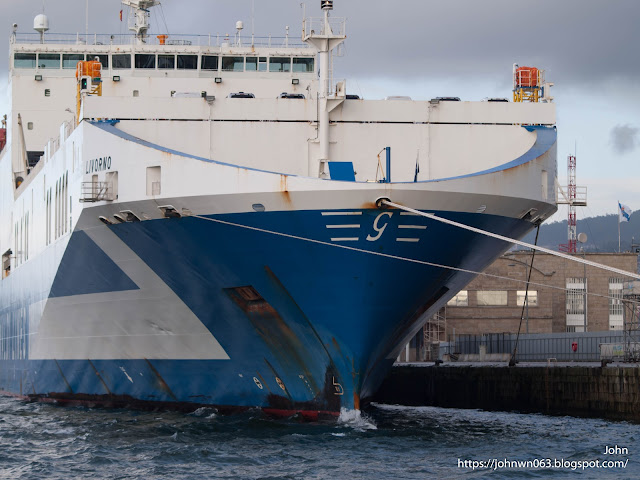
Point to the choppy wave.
(45, 441)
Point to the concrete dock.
(576, 389)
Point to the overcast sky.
(464, 48)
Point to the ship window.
(303, 64)
(120, 61)
(252, 64)
(209, 62)
(47, 92)
(187, 62)
(48, 60)
(145, 60)
(233, 64)
(29, 125)
(166, 62)
(70, 60)
(103, 58)
(280, 64)
(24, 60)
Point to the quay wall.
(612, 392)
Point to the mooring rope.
(512, 362)
(511, 240)
(386, 255)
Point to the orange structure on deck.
(91, 68)
(527, 77)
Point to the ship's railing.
(315, 26)
(96, 192)
(172, 40)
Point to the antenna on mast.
(140, 17)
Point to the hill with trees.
(602, 233)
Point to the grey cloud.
(579, 42)
(624, 138)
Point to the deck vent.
(105, 220)
(119, 218)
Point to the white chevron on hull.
(152, 322)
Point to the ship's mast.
(325, 39)
(140, 25)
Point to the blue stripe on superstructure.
(111, 128)
(545, 139)
(85, 269)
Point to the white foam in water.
(204, 412)
(355, 419)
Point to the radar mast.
(139, 19)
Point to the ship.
(203, 220)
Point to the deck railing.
(171, 41)
(96, 192)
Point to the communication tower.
(573, 196)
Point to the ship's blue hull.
(308, 326)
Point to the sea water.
(39, 441)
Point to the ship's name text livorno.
(98, 165)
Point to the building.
(560, 299)
(495, 301)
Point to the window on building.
(209, 62)
(24, 60)
(303, 65)
(576, 303)
(120, 61)
(616, 309)
(166, 62)
(252, 64)
(532, 298)
(460, 300)
(187, 62)
(280, 64)
(48, 60)
(70, 60)
(145, 61)
(492, 298)
(233, 64)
